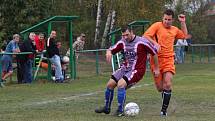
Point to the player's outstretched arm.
(108, 56)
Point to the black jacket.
(28, 46)
(51, 48)
(21, 58)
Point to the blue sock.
(108, 97)
(121, 99)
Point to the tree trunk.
(80, 2)
(113, 19)
(106, 30)
(98, 23)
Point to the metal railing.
(200, 53)
(197, 53)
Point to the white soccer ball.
(65, 59)
(131, 109)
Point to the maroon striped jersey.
(134, 52)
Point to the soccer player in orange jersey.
(164, 34)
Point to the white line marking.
(138, 86)
(75, 97)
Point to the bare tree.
(113, 19)
(98, 23)
(109, 24)
(80, 2)
(106, 30)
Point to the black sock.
(162, 95)
(64, 74)
(166, 99)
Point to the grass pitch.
(193, 98)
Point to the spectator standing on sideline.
(20, 60)
(40, 46)
(12, 47)
(40, 42)
(29, 46)
(78, 45)
(54, 56)
(180, 50)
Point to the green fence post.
(49, 63)
(72, 63)
(113, 38)
(192, 52)
(97, 62)
(209, 53)
(200, 54)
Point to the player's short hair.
(169, 12)
(124, 28)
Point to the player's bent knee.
(168, 86)
(111, 84)
(121, 83)
(158, 85)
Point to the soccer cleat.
(1, 84)
(163, 114)
(119, 113)
(3, 80)
(102, 110)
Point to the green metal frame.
(46, 25)
(96, 57)
(140, 23)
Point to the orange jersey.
(165, 37)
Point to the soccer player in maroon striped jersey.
(135, 50)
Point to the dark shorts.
(130, 76)
(6, 62)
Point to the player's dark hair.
(124, 28)
(169, 12)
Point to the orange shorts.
(166, 64)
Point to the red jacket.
(40, 44)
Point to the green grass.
(193, 97)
